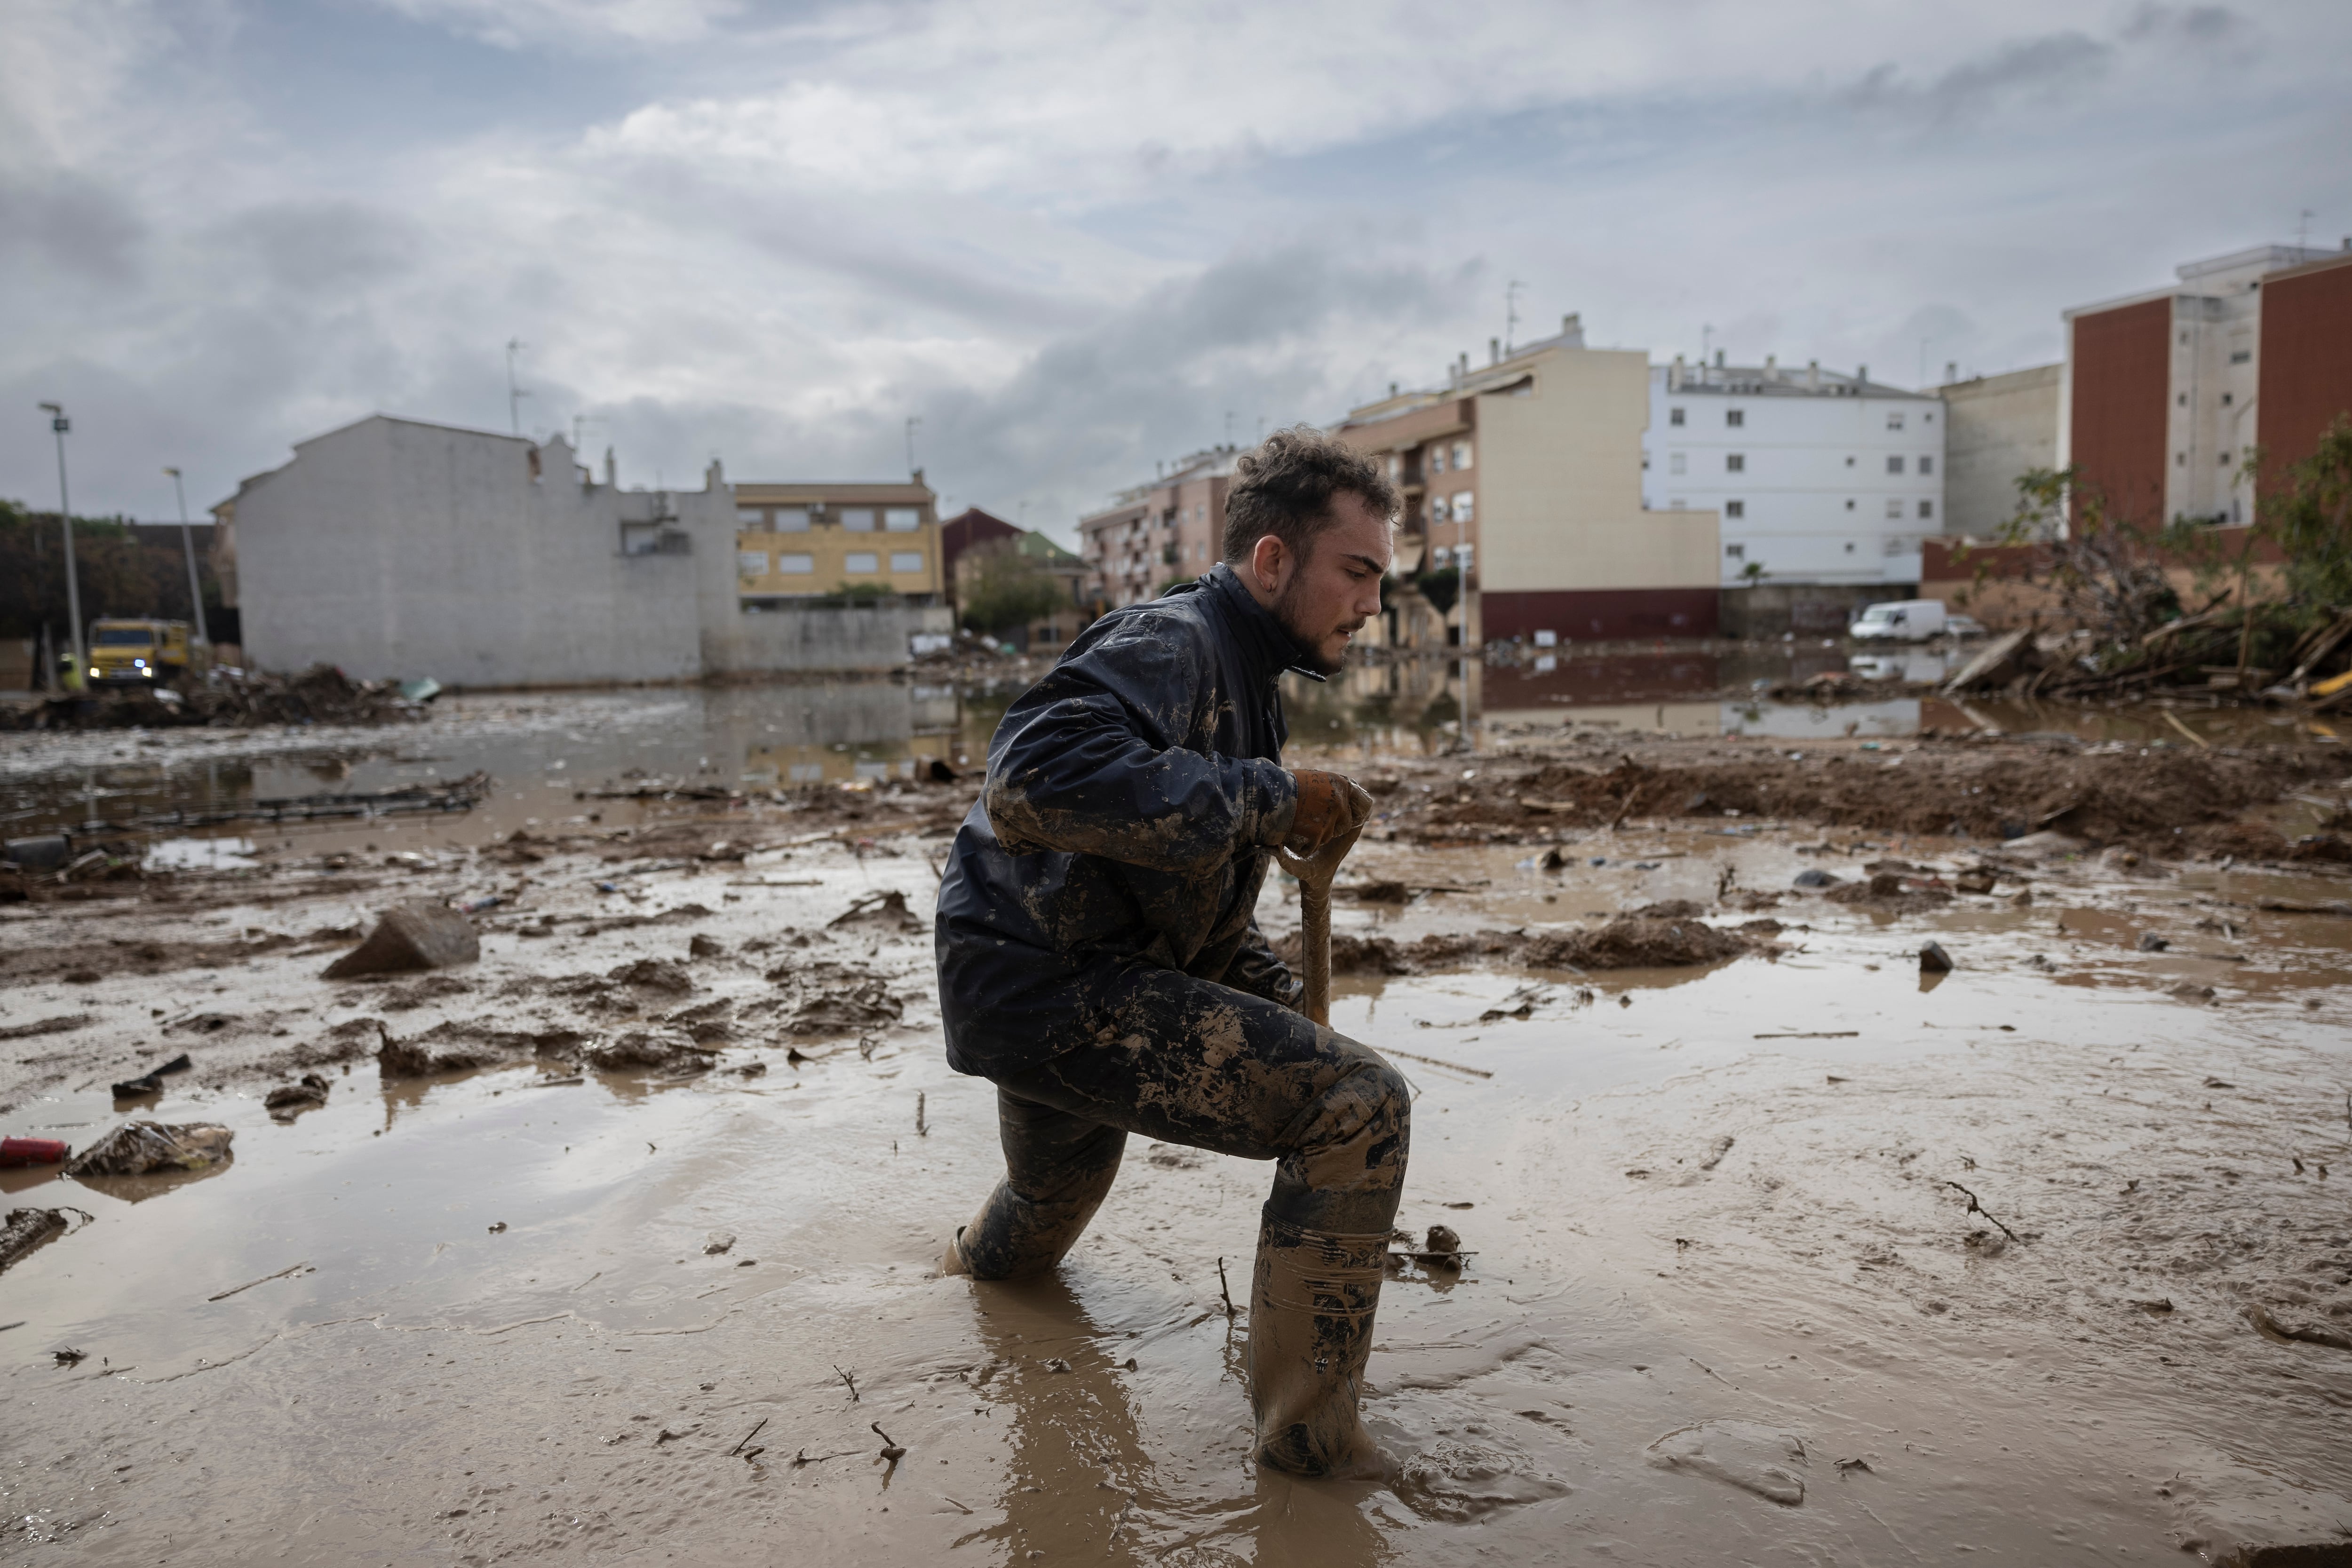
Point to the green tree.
(2309, 513)
(1007, 587)
(1442, 588)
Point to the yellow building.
(806, 541)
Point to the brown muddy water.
(1728, 1301)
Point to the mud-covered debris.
(1635, 942)
(1933, 959)
(27, 1229)
(1443, 1238)
(1380, 892)
(444, 1048)
(2150, 942)
(653, 975)
(1671, 909)
(641, 1048)
(1814, 876)
(719, 1243)
(1892, 892)
(2307, 1334)
(867, 1005)
(140, 1148)
(1754, 1458)
(705, 946)
(1977, 879)
(420, 934)
(2189, 992)
(886, 910)
(288, 1100)
(151, 1081)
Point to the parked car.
(1900, 620)
(1963, 626)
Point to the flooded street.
(1793, 1254)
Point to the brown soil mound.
(1628, 942)
(1891, 892)
(1982, 790)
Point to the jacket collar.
(1266, 649)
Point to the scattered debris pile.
(1628, 942)
(144, 1148)
(234, 699)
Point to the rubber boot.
(1310, 1332)
(1015, 1238)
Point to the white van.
(1900, 620)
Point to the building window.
(1927, 464)
(2180, 400)
(1676, 505)
(2225, 400)
(1894, 419)
(2241, 356)
(1437, 509)
(1436, 458)
(902, 520)
(752, 517)
(1735, 508)
(791, 519)
(1849, 462)
(1674, 416)
(864, 560)
(1734, 462)
(1895, 506)
(2180, 460)
(795, 565)
(1736, 552)
(1849, 505)
(752, 562)
(858, 521)
(906, 560)
(1441, 557)
(1895, 464)
(1677, 463)
(1849, 546)
(1462, 505)
(1460, 457)
(1927, 510)
(1734, 417)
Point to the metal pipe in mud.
(1315, 872)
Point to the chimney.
(1772, 367)
(1951, 371)
(1571, 327)
(1675, 375)
(612, 470)
(1860, 380)
(1813, 375)
(1494, 351)
(1718, 359)
(1392, 388)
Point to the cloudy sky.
(1071, 239)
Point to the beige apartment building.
(1527, 475)
(1996, 428)
(804, 541)
(1170, 531)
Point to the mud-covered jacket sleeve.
(1090, 761)
(1255, 969)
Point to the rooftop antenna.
(515, 394)
(1511, 313)
(912, 420)
(2303, 229)
(1706, 342)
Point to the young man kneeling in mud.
(1099, 955)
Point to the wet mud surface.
(619, 1241)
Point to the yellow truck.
(138, 653)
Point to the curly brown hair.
(1285, 487)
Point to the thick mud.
(621, 1242)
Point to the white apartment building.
(1818, 476)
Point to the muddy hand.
(1340, 808)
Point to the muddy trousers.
(1185, 1060)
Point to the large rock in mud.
(1635, 942)
(140, 1148)
(411, 936)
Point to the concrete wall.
(736, 643)
(1560, 484)
(392, 547)
(1809, 610)
(1996, 427)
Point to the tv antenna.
(912, 420)
(1511, 313)
(515, 394)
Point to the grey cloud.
(73, 224)
(2021, 68)
(2192, 24)
(309, 247)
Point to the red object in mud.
(14, 1151)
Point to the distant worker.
(1099, 955)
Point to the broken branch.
(1976, 1207)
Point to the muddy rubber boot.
(1015, 1238)
(1310, 1332)
(952, 1261)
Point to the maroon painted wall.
(2123, 377)
(2307, 359)
(1593, 615)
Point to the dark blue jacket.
(1133, 801)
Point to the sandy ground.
(1729, 1298)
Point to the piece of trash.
(26, 1230)
(151, 1081)
(1055, 1363)
(420, 934)
(289, 1101)
(16, 1152)
(499, 1225)
(1933, 960)
(608, 887)
(138, 1148)
(69, 1356)
(476, 905)
(2150, 942)
(1815, 878)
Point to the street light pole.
(188, 544)
(59, 425)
